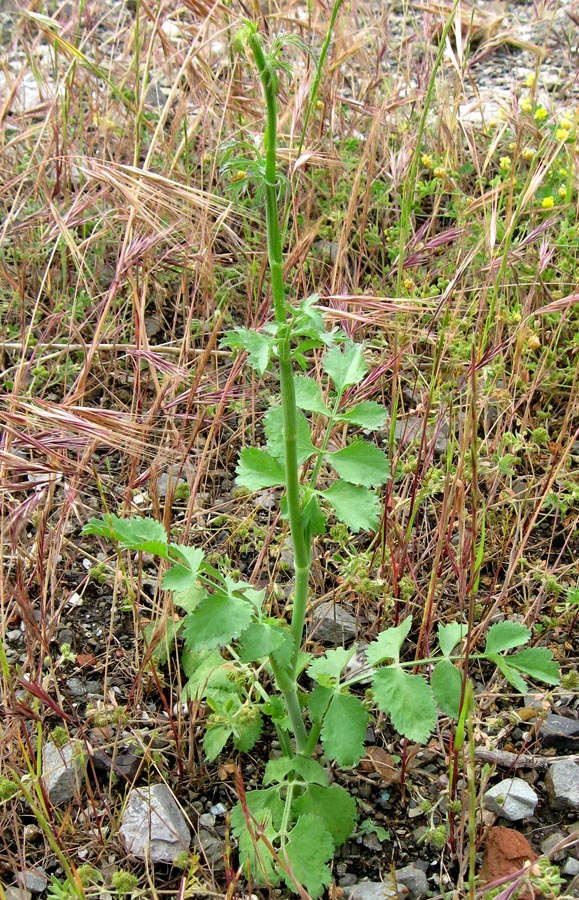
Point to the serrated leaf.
(247, 732)
(207, 672)
(329, 667)
(309, 395)
(361, 463)
(537, 662)
(446, 683)
(183, 575)
(136, 533)
(511, 674)
(257, 345)
(345, 365)
(344, 729)
(334, 805)
(318, 702)
(256, 470)
(313, 519)
(260, 639)
(214, 740)
(505, 635)
(367, 414)
(388, 643)
(307, 859)
(216, 621)
(408, 700)
(356, 506)
(307, 770)
(450, 635)
(191, 557)
(274, 431)
(266, 810)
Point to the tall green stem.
(301, 546)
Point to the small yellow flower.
(505, 163)
(533, 341)
(548, 202)
(513, 146)
(561, 134)
(492, 124)
(530, 80)
(426, 160)
(528, 153)
(541, 114)
(527, 104)
(565, 123)
(239, 175)
(439, 172)
(562, 192)
(409, 284)
(563, 172)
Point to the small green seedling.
(248, 666)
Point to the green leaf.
(257, 345)
(361, 463)
(305, 769)
(260, 639)
(345, 365)
(274, 430)
(367, 414)
(344, 729)
(216, 621)
(313, 519)
(265, 813)
(512, 675)
(327, 669)
(144, 535)
(505, 635)
(206, 671)
(191, 557)
(309, 395)
(450, 635)
(247, 732)
(446, 683)
(389, 643)
(183, 575)
(335, 805)
(355, 506)
(256, 469)
(408, 700)
(307, 857)
(537, 662)
(214, 740)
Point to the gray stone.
(35, 880)
(513, 799)
(212, 848)
(560, 732)
(550, 842)
(153, 826)
(16, 893)
(375, 890)
(414, 879)
(571, 867)
(62, 771)
(332, 624)
(562, 783)
(347, 880)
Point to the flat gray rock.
(375, 890)
(62, 771)
(414, 879)
(332, 624)
(513, 799)
(153, 826)
(562, 783)
(560, 732)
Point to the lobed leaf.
(309, 395)
(329, 667)
(308, 858)
(361, 463)
(256, 470)
(537, 662)
(450, 635)
(274, 430)
(446, 683)
(257, 345)
(260, 639)
(408, 700)
(216, 621)
(367, 414)
(335, 805)
(345, 365)
(388, 643)
(505, 635)
(214, 740)
(344, 729)
(356, 506)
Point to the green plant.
(247, 665)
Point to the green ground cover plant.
(389, 274)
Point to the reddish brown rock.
(506, 852)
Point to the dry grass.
(124, 254)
